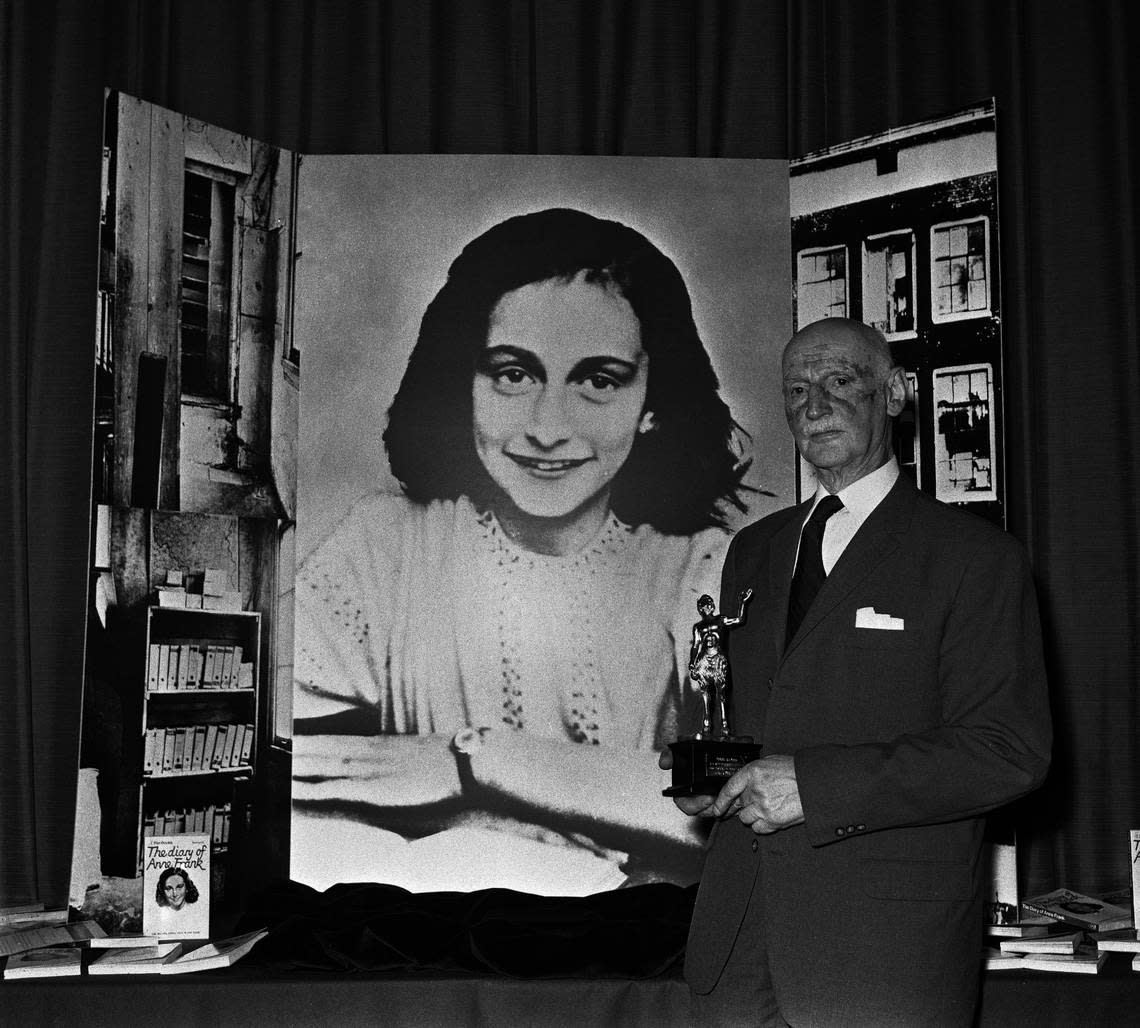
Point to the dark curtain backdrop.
(657, 77)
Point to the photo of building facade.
(900, 230)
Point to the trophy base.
(702, 766)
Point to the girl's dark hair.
(677, 478)
(167, 874)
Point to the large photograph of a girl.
(534, 411)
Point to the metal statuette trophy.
(704, 762)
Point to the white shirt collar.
(864, 495)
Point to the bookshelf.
(201, 724)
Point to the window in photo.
(888, 284)
(965, 441)
(907, 446)
(207, 262)
(821, 285)
(960, 270)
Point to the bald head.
(840, 391)
(869, 342)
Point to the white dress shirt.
(859, 499)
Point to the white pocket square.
(868, 617)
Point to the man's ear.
(896, 390)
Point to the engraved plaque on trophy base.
(702, 766)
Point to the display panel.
(899, 230)
(515, 481)
(194, 493)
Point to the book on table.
(49, 962)
(141, 960)
(173, 957)
(1123, 940)
(176, 885)
(31, 915)
(1066, 942)
(1085, 961)
(127, 940)
(993, 959)
(1075, 908)
(1029, 927)
(213, 955)
(19, 938)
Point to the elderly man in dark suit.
(891, 666)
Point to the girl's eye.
(511, 378)
(603, 383)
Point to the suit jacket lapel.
(877, 537)
(781, 565)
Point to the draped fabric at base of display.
(624, 933)
(732, 79)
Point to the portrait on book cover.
(538, 399)
(176, 886)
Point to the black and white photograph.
(569, 514)
(190, 584)
(538, 397)
(176, 887)
(899, 230)
(964, 455)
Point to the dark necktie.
(809, 574)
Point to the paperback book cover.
(128, 940)
(18, 939)
(994, 959)
(1075, 908)
(214, 954)
(1029, 927)
(26, 917)
(1085, 961)
(1123, 940)
(1134, 863)
(51, 962)
(176, 886)
(1066, 942)
(143, 960)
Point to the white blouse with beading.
(433, 616)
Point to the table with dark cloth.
(374, 954)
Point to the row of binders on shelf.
(197, 749)
(212, 820)
(172, 667)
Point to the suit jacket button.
(861, 828)
(850, 828)
(755, 845)
(769, 683)
(840, 831)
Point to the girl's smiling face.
(558, 395)
(175, 891)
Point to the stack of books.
(1080, 911)
(1084, 959)
(1123, 940)
(151, 955)
(1063, 931)
(40, 943)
